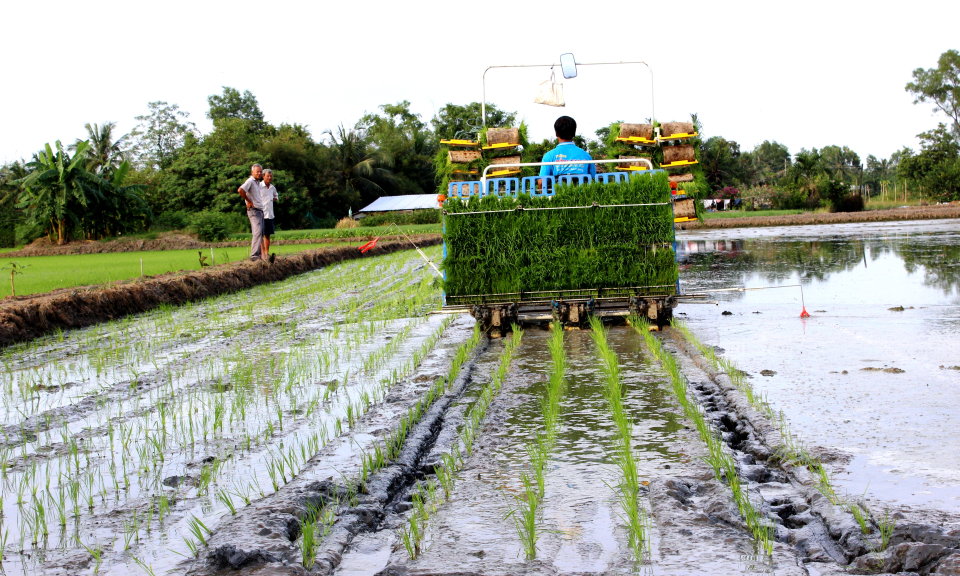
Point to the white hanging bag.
(551, 92)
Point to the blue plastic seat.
(613, 177)
(574, 179)
(528, 185)
(463, 189)
(502, 187)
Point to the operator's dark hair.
(566, 127)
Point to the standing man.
(250, 192)
(268, 193)
(566, 128)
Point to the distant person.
(566, 128)
(268, 195)
(250, 192)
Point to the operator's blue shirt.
(564, 152)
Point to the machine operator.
(566, 128)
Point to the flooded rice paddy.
(329, 425)
(873, 376)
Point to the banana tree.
(59, 189)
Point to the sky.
(806, 75)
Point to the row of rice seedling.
(383, 453)
(628, 488)
(430, 496)
(499, 245)
(526, 512)
(792, 449)
(281, 466)
(188, 396)
(99, 357)
(719, 459)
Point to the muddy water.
(580, 526)
(874, 388)
(247, 379)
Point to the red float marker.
(363, 249)
(803, 314)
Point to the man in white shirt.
(250, 192)
(268, 195)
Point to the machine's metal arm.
(483, 106)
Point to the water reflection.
(773, 260)
(881, 296)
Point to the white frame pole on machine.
(483, 105)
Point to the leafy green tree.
(840, 163)
(104, 152)
(456, 121)
(941, 87)
(58, 188)
(720, 160)
(405, 138)
(118, 209)
(880, 171)
(771, 159)
(806, 172)
(159, 134)
(9, 196)
(232, 104)
(363, 172)
(936, 167)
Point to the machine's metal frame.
(483, 106)
(496, 312)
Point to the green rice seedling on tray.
(507, 245)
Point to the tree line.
(809, 177)
(165, 173)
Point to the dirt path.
(907, 213)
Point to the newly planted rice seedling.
(720, 460)
(153, 394)
(525, 517)
(628, 489)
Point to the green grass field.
(46, 273)
(346, 232)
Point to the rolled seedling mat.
(681, 177)
(629, 165)
(463, 156)
(673, 154)
(668, 129)
(503, 136)
(684, 208)
(515, 159)
(636, 131)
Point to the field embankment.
(178, 241)
(905, 213)
(25, 317)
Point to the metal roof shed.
(397, 203)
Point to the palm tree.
(360, 169)
(58, 188)
(104, 153)
(806, 170)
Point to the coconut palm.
(104, 152)
(59, 188)
(359, 169)
(806, 170)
